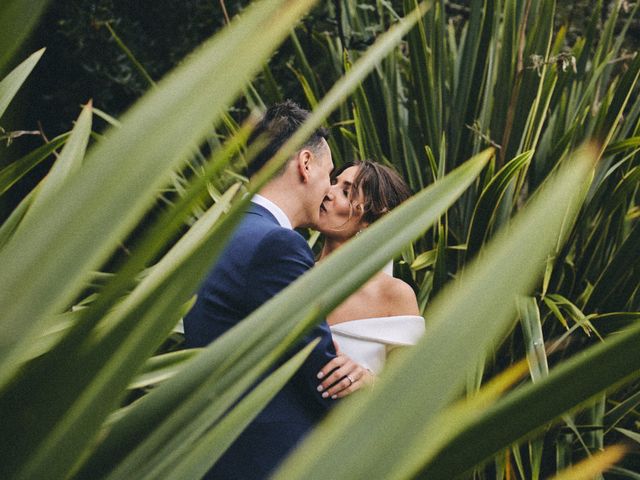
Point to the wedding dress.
(370, 340)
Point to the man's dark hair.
(278, 125)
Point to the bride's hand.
(342, 376)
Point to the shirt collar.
(275, 210)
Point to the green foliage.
(10, 85)
(17, 19)
(532, 235)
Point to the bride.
(383, 314)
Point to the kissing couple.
(266, 254)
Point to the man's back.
(262, 258)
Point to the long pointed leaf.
(13, 172)
(68, 163)
(17, 19)
(490, 198)
(10, 85)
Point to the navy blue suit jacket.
(261, 259)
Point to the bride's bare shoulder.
(398, 295)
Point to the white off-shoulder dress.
(368, 341)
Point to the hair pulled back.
(382, 188)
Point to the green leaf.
(162, 367)
(619, 101)
(107, 118)
(312, 92)
(68, 163)
(422, 83)
(490, 199)
(18, 169)
(424, 260)
(622, 146)
(592, 467)
(623, 191)
(572, 310)
(613, 417)
(624, 473)
(533, 338)
(440, 265)
(154, 240)
(367, 132)
(471, 58)
(130, 55)
(11, 224)
(10, 85)
(17, 19)
(556, 311)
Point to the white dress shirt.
(274, 209)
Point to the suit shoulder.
(253, 230)
(283, 241)
(265, 241)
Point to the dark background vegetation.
(83, 61)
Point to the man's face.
(319, 181)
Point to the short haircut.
(382, 188)
(278, 125)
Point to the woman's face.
(341, 210)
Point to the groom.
(263, 257)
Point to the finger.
(348, 368)
(344, 387)
(332, 365)
(353, 386)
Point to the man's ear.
(304, 159)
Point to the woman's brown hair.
(382, 188)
